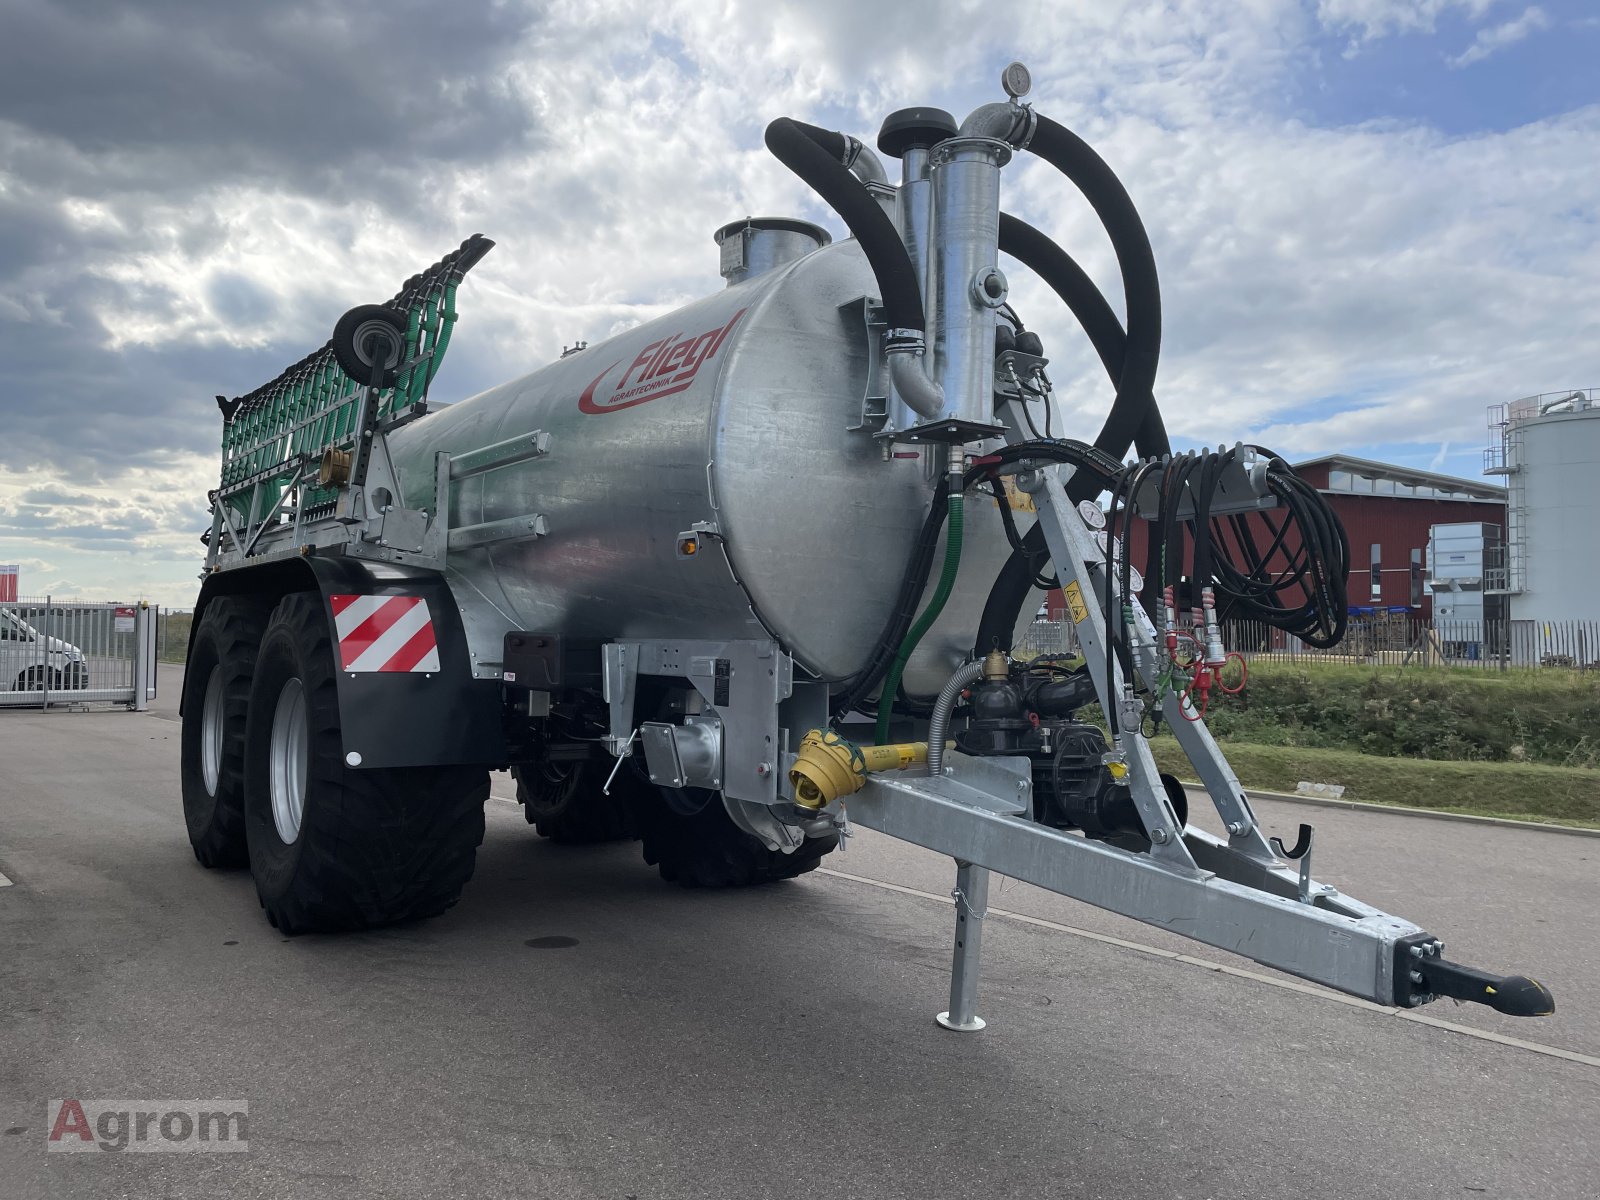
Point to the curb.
(1403, 811)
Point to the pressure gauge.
(1091, 514)
(1016, 80)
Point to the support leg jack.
(972, 905)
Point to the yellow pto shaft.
(830, 766)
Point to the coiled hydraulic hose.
(941, 594)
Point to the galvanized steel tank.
(736, 411)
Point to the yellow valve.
(829, 766)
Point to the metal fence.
(67, 653)
(1389, 638)
(1046, 637)
(1404, 639)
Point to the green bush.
(1521, 790)
(1545, 716)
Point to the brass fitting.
(829, 766)
(995, 665)
(334, 469)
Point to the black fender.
(390, 718)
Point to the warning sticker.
(1016, 498)
(1075, 604)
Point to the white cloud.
(1323, 288)
(127, 536)
(1498, 37)
(1383, 18)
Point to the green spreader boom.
(272, 434)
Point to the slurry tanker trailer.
(751, 573)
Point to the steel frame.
(1238, 895)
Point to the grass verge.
(1523, 791)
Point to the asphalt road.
(769, 1043)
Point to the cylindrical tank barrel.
(732, 415)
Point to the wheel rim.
(211, 731)
(288, 751)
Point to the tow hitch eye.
(1423, 976)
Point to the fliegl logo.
(662, 368)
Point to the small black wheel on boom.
(333, 848)
(368, 335)
(690, 838)
(564, 803)
(216, 695)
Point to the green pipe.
(941, 594)
(441, 342)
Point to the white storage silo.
(1551, 460)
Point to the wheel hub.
(211, 732)
(287, 760)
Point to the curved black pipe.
(1034, 250)
(815, 156)
(831, 140)
(1130, 357)
(1075, 159)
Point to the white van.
(29, 662)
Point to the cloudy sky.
(1372, 217)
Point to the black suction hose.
(1074, 158)
(1134, 416)
(817, 157)
(1071, 282)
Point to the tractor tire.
(690, 838)
(216, 697)
(573, 811)
(332, 848)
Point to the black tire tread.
(216, 830)
(707, 850)
(380, 846)
(587, 817)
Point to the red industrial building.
(1387, 512)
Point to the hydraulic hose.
(912, 585)
(941, 594)
(939, 723)
(1134, 416)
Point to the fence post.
(144, 649)
(44, 664)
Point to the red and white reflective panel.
(385, 633)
